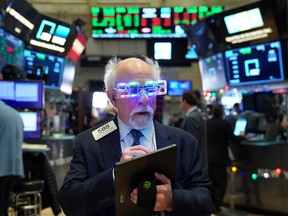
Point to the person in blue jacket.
(132, 86)
(11, 161)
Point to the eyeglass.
(133, 89)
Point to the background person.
(219, 136)
(88, 187)
(193, 122)
(11, 163)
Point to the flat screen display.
(11, 49)
(22, 94)
(168, 51)
(52, 36)
(32, 124)
(146, 22)
(212, 70)
(68, 77)
(244, 20)
(255, 64)
(44, 66)
(177, 87)
(247, 25)
(19, 19)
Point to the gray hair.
(111, 72)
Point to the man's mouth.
(142, 113)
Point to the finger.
(162, 178)
(134, 195)
(141, 148)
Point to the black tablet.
(128, 173)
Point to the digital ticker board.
(150, 22)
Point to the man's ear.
(112, 97)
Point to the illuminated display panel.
(48, 67)
(22, 94)
(168, 51)
(11, 50)
(247, 25)
(243, 21)
(52, 36)
(19, 19)
(32, 124)
(68, 77)
(255, 64)
(136, 22)
(177, 87)
(212, 70)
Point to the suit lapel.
(111, 147)
(162, 136)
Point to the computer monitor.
(22, 94)
(212, 71)
(68, 76)
(32, 124)
(257, 64)
(169, 51)
(11, 49)
(240, 126)
(176, 87)
(44, 66)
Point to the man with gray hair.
(132, 86)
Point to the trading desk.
(263, 175)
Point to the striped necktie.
(136, 135)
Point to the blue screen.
(255, 64)
(176, 87)
(48, 67)
(22, 94)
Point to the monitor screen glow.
(11, 49)
(52, 36)
(32, 124)
(162, 51)
(68, 77)
(22, 94)
(44, 66)
(146, 22)
(243, 21)
(212, 71)
(177, 87)
(255, 64)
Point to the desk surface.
(59, 137)
(26, 147)
(263, 143)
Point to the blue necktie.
(136, 135)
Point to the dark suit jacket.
(88, 188)
(195, 125)
(219, 136)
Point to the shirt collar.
(124, 130)
(191, 110)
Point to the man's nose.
(143, 97)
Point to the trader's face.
(136, 112)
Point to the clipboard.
(128, 173)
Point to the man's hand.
(163, 197)
(134, 151)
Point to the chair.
(26, 197)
